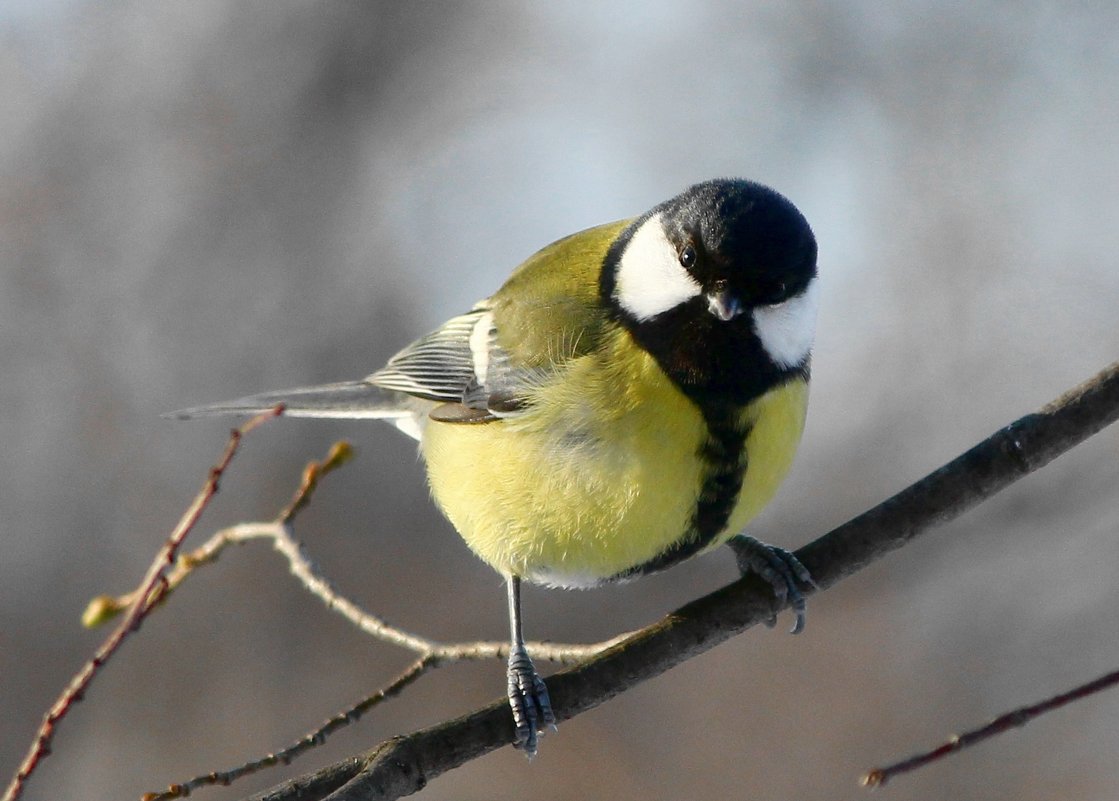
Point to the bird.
(631, 396)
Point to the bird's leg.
(780, 568)
(528, 697)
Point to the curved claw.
(528, 699)
(781, 569)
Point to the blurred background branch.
(1005, 722)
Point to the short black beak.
(723, 305)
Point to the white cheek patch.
(650, 280)
(787, 329)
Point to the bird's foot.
(780, 568)
(528, 698)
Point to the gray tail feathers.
(352, 400)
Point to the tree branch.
(404, 764)
(153, 588)
(876, 777)
(432, 654)
(279, 533)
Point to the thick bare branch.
(404, 764)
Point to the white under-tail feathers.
(346, 400)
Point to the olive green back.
(549, 310)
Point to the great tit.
(631, 396)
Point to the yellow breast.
(566, 495)
(776, 421)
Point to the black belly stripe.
(724, 454)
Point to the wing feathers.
(460, 368)
(439, 366)
(354, 400)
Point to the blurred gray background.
(201, 200)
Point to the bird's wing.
(348, 399)
(462, 367)
(486, 364)
(479, 366)
(443, 364)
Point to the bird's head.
(719, 285)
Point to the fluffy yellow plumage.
(575, 495)
(632, 395)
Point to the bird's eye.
(687, 257)
(775, 294)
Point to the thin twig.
(405, 764)
(1005, 722)
(151, 589)
(279, 532)
(284, 543)
(435, 656)
(432, 654)
(340, 453)
(317, 737)
(104, 607)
